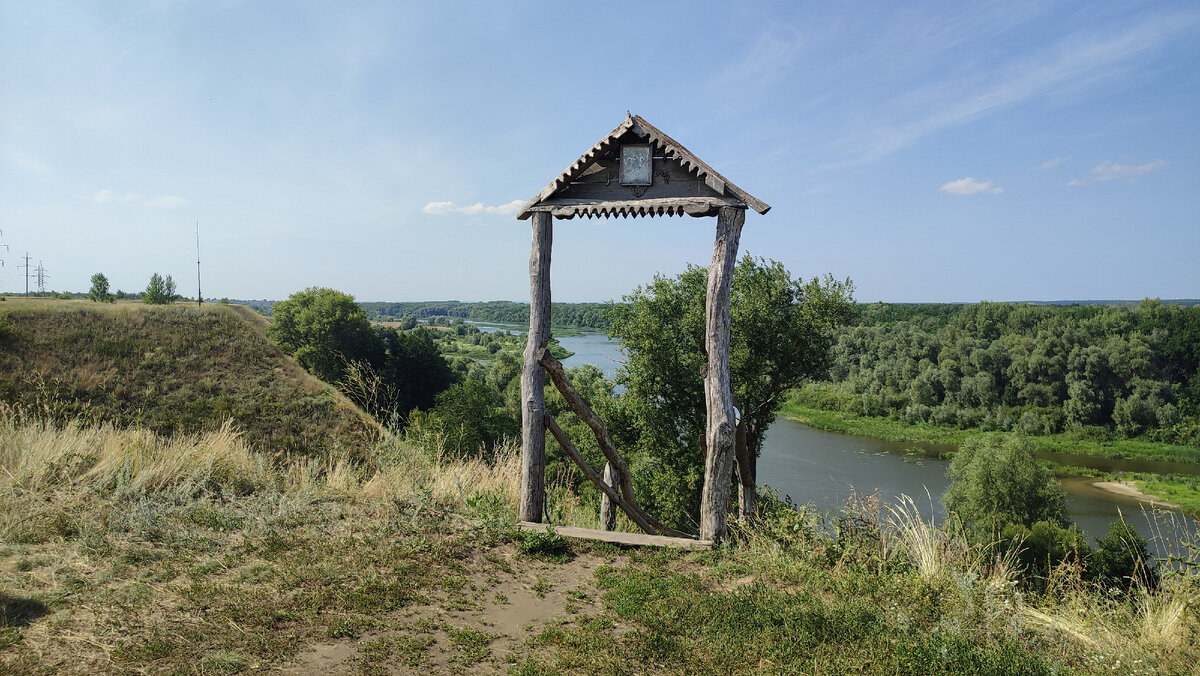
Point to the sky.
(928, 151)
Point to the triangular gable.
(683, 182)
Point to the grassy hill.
(171, 369)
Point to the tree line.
(594, 316)
(1128, 371)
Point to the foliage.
(996, 484)
(547, 545)
(781, 331)
(99, 292)
(1122, 560)
(594, 316)
(159, 291)
(471, 419)
(324, 330)
(1131, 371)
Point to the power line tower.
(42, 276)
(27, 271)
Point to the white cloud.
(166, 201)
(443, 208)
(1108, 171)
(31, 165)
(969, 186)
(1050, 164)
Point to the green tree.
(160, 290)
(99, 291)
(413, 367)
(324, 330)
(996, 484)
(781, 333)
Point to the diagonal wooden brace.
(585, 413)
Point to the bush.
(995, 484)
(1122, 560)
(1045, 545)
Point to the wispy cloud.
(1109, 171)
(767, 58)
(969, 186)
(1049, 164)
(165, 201)
(29, 164)
(443, 208)
(1073, 64)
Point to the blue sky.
(929, 151)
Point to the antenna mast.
(199, 296)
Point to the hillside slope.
(172, 369)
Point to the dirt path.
(482, 627)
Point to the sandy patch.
(1130, 490)
(508, 597)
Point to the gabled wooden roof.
(683, 184)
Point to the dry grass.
(172, 369)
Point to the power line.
(27, 270)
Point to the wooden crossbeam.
(618, 537)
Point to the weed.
(547, 545)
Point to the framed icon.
(636, 164)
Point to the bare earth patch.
(480, 627)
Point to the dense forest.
(594, 316)
(1124, 370)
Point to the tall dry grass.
(37, 456)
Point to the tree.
(413, 367)
(160, 290)
(781, 334)
(996, 484)
(324, 330)
(99, 291)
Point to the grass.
(171, 369)
(127, 550)
(118, 556)
(896, 430)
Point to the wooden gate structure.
(635, 170)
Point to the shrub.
(1122, 560)
(994, 484)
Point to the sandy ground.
(511, 600)
(1129, 489)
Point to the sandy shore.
(1129, 489)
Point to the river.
(823, 469)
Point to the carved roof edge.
(644, 129)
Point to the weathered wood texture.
(747, 466)
(608, 508)
(618, 537)
(565, 208)
(607, 447)
(675, 158)
(718, 395)
(563, 440)
(533, 402)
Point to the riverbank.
(1167, 487)
(1132, 490)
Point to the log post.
(718, 394)
(747, 471)
(608, 508)
(533, 377)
